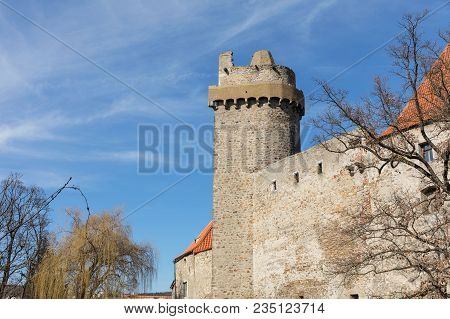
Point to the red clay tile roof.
(428, 101)
(202, 243)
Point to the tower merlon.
(225, 60)
(263, 57)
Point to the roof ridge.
(201, 243)
(408, 117)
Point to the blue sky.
(61, 116)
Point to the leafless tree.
(97, 259)
(405, 232)
(23, 233)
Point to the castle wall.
(295, 227)
(277, 212)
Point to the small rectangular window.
(427, 152)
(319, 168)
(296, 177)
(354, 296)
(273, 186)
(184, 290)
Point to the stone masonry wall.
(247, 138)
(295, 237)
(196, 270)
(275, 212)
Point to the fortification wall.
(295, 227)
(275, 213)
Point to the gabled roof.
(429, 102)
(202, 243)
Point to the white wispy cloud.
(306, 23)
(126, 156)
(34, 128)
(45, 89)
(260, 12)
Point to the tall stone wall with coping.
(295, 228)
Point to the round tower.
(257, 112)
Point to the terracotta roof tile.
(429, 102)
(202, 243)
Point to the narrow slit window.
(273, 186)
(427, 152)
(296, 177)
(319, 168)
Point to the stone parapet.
(256, 94)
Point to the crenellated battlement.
(262, 82)
(239, 75)
(262, 68)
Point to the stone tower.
(257, 110)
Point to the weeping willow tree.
(96, 259)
